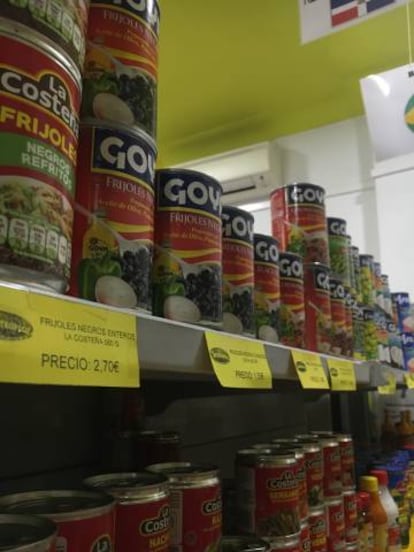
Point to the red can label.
(299, 222)
(332, 476)
(338, 313)
(292, 300)
(38, 143)
(114, 223)
(121, 65)
(305, 539)
(266, 288)
(187, 276)
(196, 519)
(317, 308)
(351, 517)
(318, 531)
(87, 535)
(238, 271)
(314, 477)
(346, 449)
(335, 525)
(303, 488)
(143, 527)
(277, 501)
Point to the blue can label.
(408, 351)
(401, 302)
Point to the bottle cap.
(368, 483)
(381, 475)
(364, 500)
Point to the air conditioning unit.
(247, 174)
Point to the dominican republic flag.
(343, 11)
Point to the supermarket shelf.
(171, 350)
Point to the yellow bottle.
(98, 239)
(369, 484)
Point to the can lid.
(316, 511)
(344, 437)
(128, 484)
(242, 544)
(368, 483)
(285, 440)
(195, 174)
(183, 471)
(157, 435)
(19, 531)
(381, 475)
(55, 504)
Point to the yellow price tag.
(237, 362)
(49, 340)
(342, 374)
(390, 387)
(409, 380)
(310, 370)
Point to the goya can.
(142, 509)
(40, 96)
(407, 340)
(317, 308)
(62, 22)
(395, 345)
(356, 270)
(196, 506)
(318, 530)
(346, 450)
(85, 520)
(380, 320)
(305, 540)
(266, 287)
(19, 533)
(352, 282)
(299, 221)
(370, 334)
(335, 516)
(238, 271)
(351, 517)
(339, 250)
(379, 297)
(121, 66)
(242, 544)
(114, 220)
(332, 474)
(405, 320)
(314, 471)
(349, 329)
(187, 275)
(338, 314)
(285, 544)
(358, 331)
(386, 294)
(366, 278)
(292, 300)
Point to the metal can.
(356, 269)
(405, 320)
(301, 478)
(40, 96)
(121, 65)
(349, 328)
(332, 476)
(238, 271)
(195, 502)
(358, 337)
(113, 235)
(242, 544)
(314, 472)
(266, 287)
(407, 340)
(346, 450)
(285, 544)
(318, 530)
(386, 294)
(62, 23)
(370, 334)
(395, 345)
(338, 313)
(292, 300)
(366, 276)
(338, 250)
(335, 517)
(351, 517)
(245, 469)
(85, 520)
(305, 539)
(352, 282)
(187, 275)
(299, 222)
(379, 297)
(380, 320)
(142, 509)
(317, 308)
(156, 446)
(20, 533)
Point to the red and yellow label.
(93, 534)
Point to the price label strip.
(390, 387)
(309, 369)
(409, 380)
(238, 363)
(48, 340)
(342, 374)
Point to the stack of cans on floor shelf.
(114, 220)
(298, 493)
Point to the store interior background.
(233, 74)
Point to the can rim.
(89, 122)
(182, 472)
(189, 172)
(47, 531)
(244, 543)
(128, 483)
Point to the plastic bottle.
(365, 525)
(391, 508)
(369, 484)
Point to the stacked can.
(292, 298)
(114, 220)
(339, 250)
(403, 321)
(42, 46)
(317, 308)
(338, 315)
